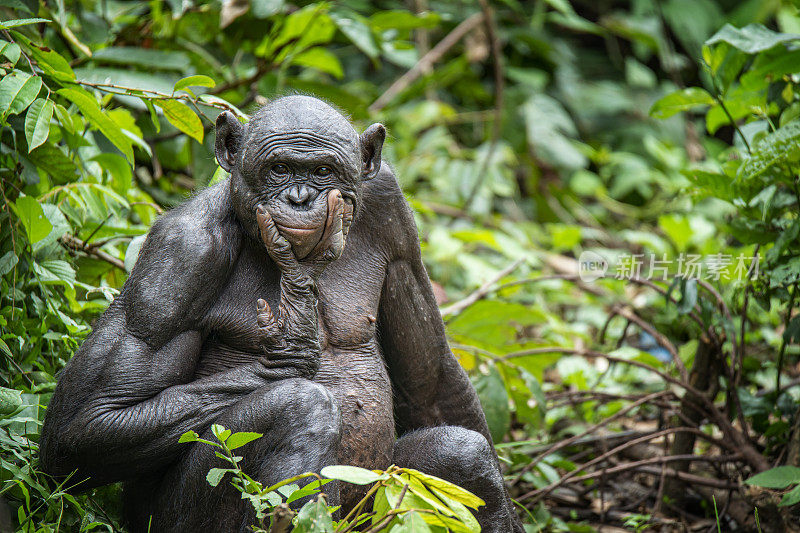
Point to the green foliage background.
(617, 127)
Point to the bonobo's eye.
(280, 169)
(323, 171)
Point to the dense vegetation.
(607, 195)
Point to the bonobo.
(289, 300)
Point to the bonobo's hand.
(290, 337)
(328, 249)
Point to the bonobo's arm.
(430, 387)
(126, 397)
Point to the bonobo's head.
(293, 154)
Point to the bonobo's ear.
(229, 139)
(371, 144)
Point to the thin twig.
(427, 61)
(73, 243)
(483, 290)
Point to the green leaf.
(32, 216)
(355, 29)
(37, 122)
(776, 478)
(143, 57)
(10, 400)
(8, 262)
(314, 518)
(237, 440)
(50, 61)
(194, 81)
(351, 474)
(494, 399)
(215, 475)
(92, 112)
(402, 20)
(119, 170)
(264, 8)
(7, 24)
(687, 99)
(189, 436)
(55, 272)
(182, 117)
(773, 149)
(791, 498)
(751, 39)
(50, 159)
(448, 489)
(320, 59)
(11, 51)
(17, 91)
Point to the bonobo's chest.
(349, 293)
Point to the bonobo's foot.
(466, 458)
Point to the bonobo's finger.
(278, 247)
(265, 317)
(331, 244)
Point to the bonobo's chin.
(306, 228)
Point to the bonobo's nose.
(300, 195)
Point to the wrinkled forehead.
(272, 134)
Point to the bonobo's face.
(295, 157)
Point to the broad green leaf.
(791, 498)
(48, 60)
(302, 29)
(773, 149)
(237, 440)
(95, 116)
(8, 262)
(50, 159)
(751, 39)
(402, 20)
(55, 272)
(451, 490)
(314, 518)
(215, 475)
(351, 474)
(32, 216)
(359, 33)
(182, 117)
(11, 51)
(17, 91)
(264, 8)
(688, 99)
(7, 24)
(194, 81)
(776, 478)
(320, 59)
(494, 399)
(119, 170)
(143, 57)
(37, 122)
(10, 400)
(189, 436)
(220, 432)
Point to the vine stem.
(782, 351)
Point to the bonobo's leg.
(301, 426)
(463, 457)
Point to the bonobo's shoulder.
(187, 254)
(388, 216)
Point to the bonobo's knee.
(454, 453)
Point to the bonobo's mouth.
(306, 228)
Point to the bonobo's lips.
(305, 228)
